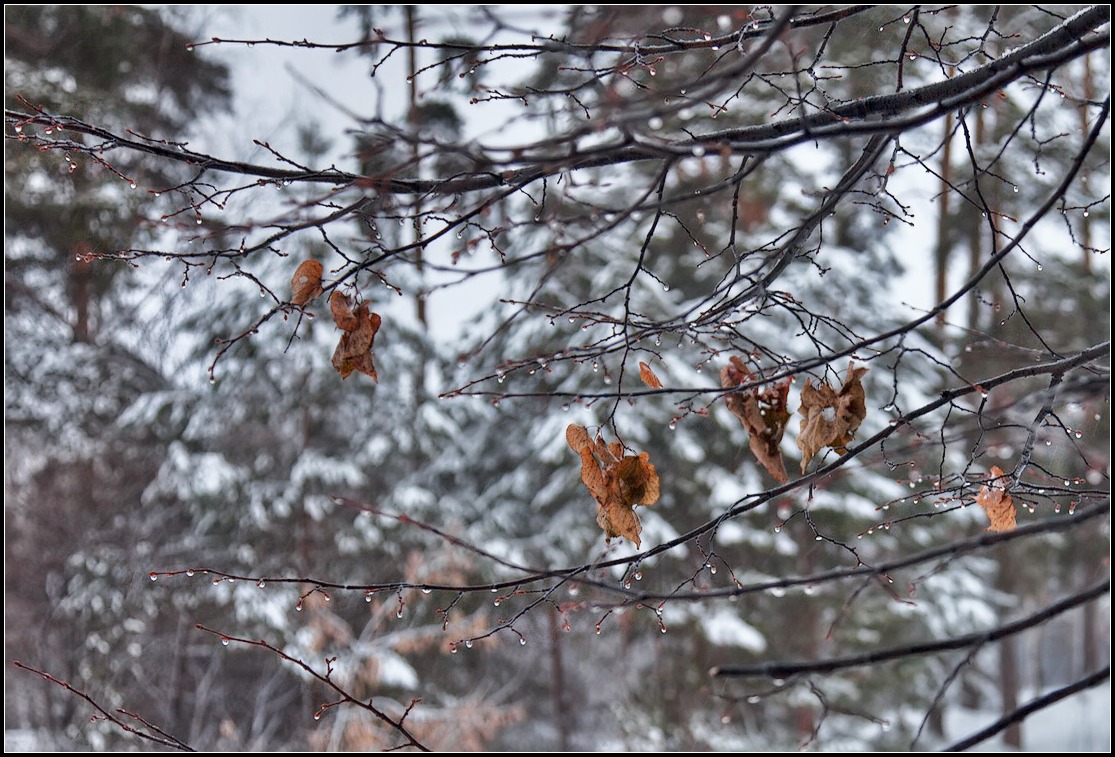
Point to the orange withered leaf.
(342, 312)
(648, 377)
(830, 417)
(354, 351)
(997, 504)
(577, 437)
(305, 285)
(762, 413)
(616, 481)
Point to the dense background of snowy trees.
(207, 527)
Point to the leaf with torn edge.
(616, 481)
(763, 414)
(829, 417)
(648, 377)
(305, 285)
(997, 504)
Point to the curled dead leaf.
(763, 414)
(648, 377)
(830, 417)
(997, 504)
(616, 481)
(577, 437)
(305, 285)
(342, 312)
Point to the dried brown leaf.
(830, 418)
(342, 312)
(648, 377)
(997, 504)
(305, 285)
(763, 414)
(578, 437)
(616, 481)
(354, 351)
(618, 520)
(592, 476)
(637, 480)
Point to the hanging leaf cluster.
(830, 417)
(763, 413)
(997, 504)
(354, 351)
(617, 482)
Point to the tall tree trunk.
(1085, 224)
(414, 120)
(974, 227)
(81, 294)
(1009, 679)
(557, 688)
(944, 222)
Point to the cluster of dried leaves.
(996, 503)
(617, 482)
(354, 351)
(763, 413)
(830, 417)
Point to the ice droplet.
(754, 699)
(468, 644)
(224, 641)
(522, 642)
(153, 576)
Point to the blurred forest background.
(130, 456)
